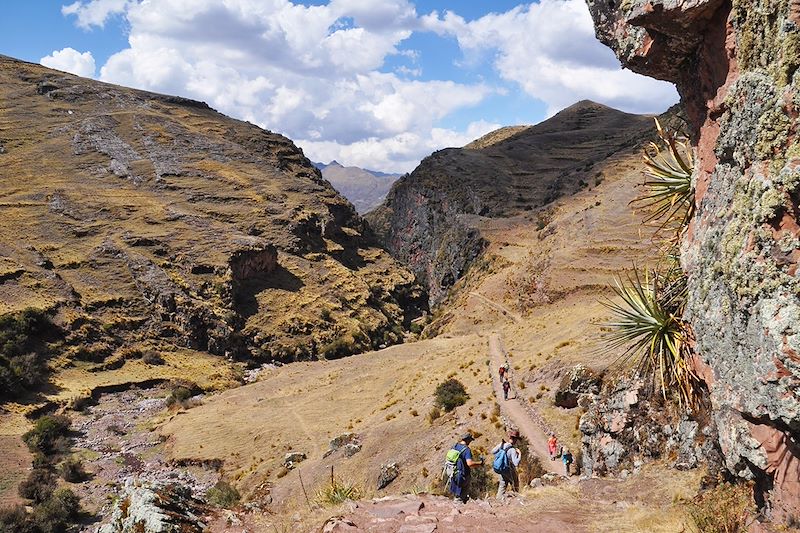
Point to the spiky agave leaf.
(669, 195)
(647, 325)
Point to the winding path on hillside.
(498, 306)
(517, 413)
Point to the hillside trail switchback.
(516, 412)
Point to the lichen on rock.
(736, 67)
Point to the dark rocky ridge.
(144, 218)
(736, 67)
(428, 218)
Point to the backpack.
(450, 470)
(500, 464)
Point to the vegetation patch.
(223, 495)
(727, 508)
(24, 351)
(450, 394)
(338, 491)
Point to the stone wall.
(736, 67)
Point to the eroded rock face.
(736, 67)
(432, 218)
(626, 427)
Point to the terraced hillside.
(430, 217)
(148, 219)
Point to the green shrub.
(38, 486)
(223, 495)
(16, 520)
(48, 435)
(181, 392)
(24, 351)
(58, 512)
(152, 357)
(72, 470)
(450, 394)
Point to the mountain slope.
(146, 218)
(366, 189)
(428, 220)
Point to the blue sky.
(374, 83)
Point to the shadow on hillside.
(248, 290)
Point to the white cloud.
(94, 13)
(315, 73)
(550, 50)
(399, 153)
(72, 61)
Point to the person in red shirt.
(552, 446)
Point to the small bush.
(434, 414)
(38, 486)
(450, 394)
(24, 351)
(152, 357)
(726, 508)
(72, 470)
(338, 492)
(15, 520)
(58, 512)
(181, 392)
(48, 435)
(223, 495)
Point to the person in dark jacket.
(459, 484)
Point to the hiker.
(566, 457)
(506, 388)
(502, 372)
(506, 461)
(460, 456)
(552, 446)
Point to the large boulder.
(579, 381)
(736, 67)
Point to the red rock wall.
(736, 67)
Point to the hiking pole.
(303, 486)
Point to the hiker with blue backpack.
(457, 467)
(506, 461)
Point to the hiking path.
(524, 418)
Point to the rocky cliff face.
(143, 218)
(736, 67)
(428, 220)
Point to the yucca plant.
(669, 195)
(647, 323)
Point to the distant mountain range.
(365, 188)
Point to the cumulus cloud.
(549, 49)
(318, 73)
(72, 61)
(94, 13)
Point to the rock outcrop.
(144, 508)
(736, 67)
(430, 218)
(143, 218)
(627, 426)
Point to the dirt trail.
(516, 412)
(500, 307)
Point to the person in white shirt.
(509, 476)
